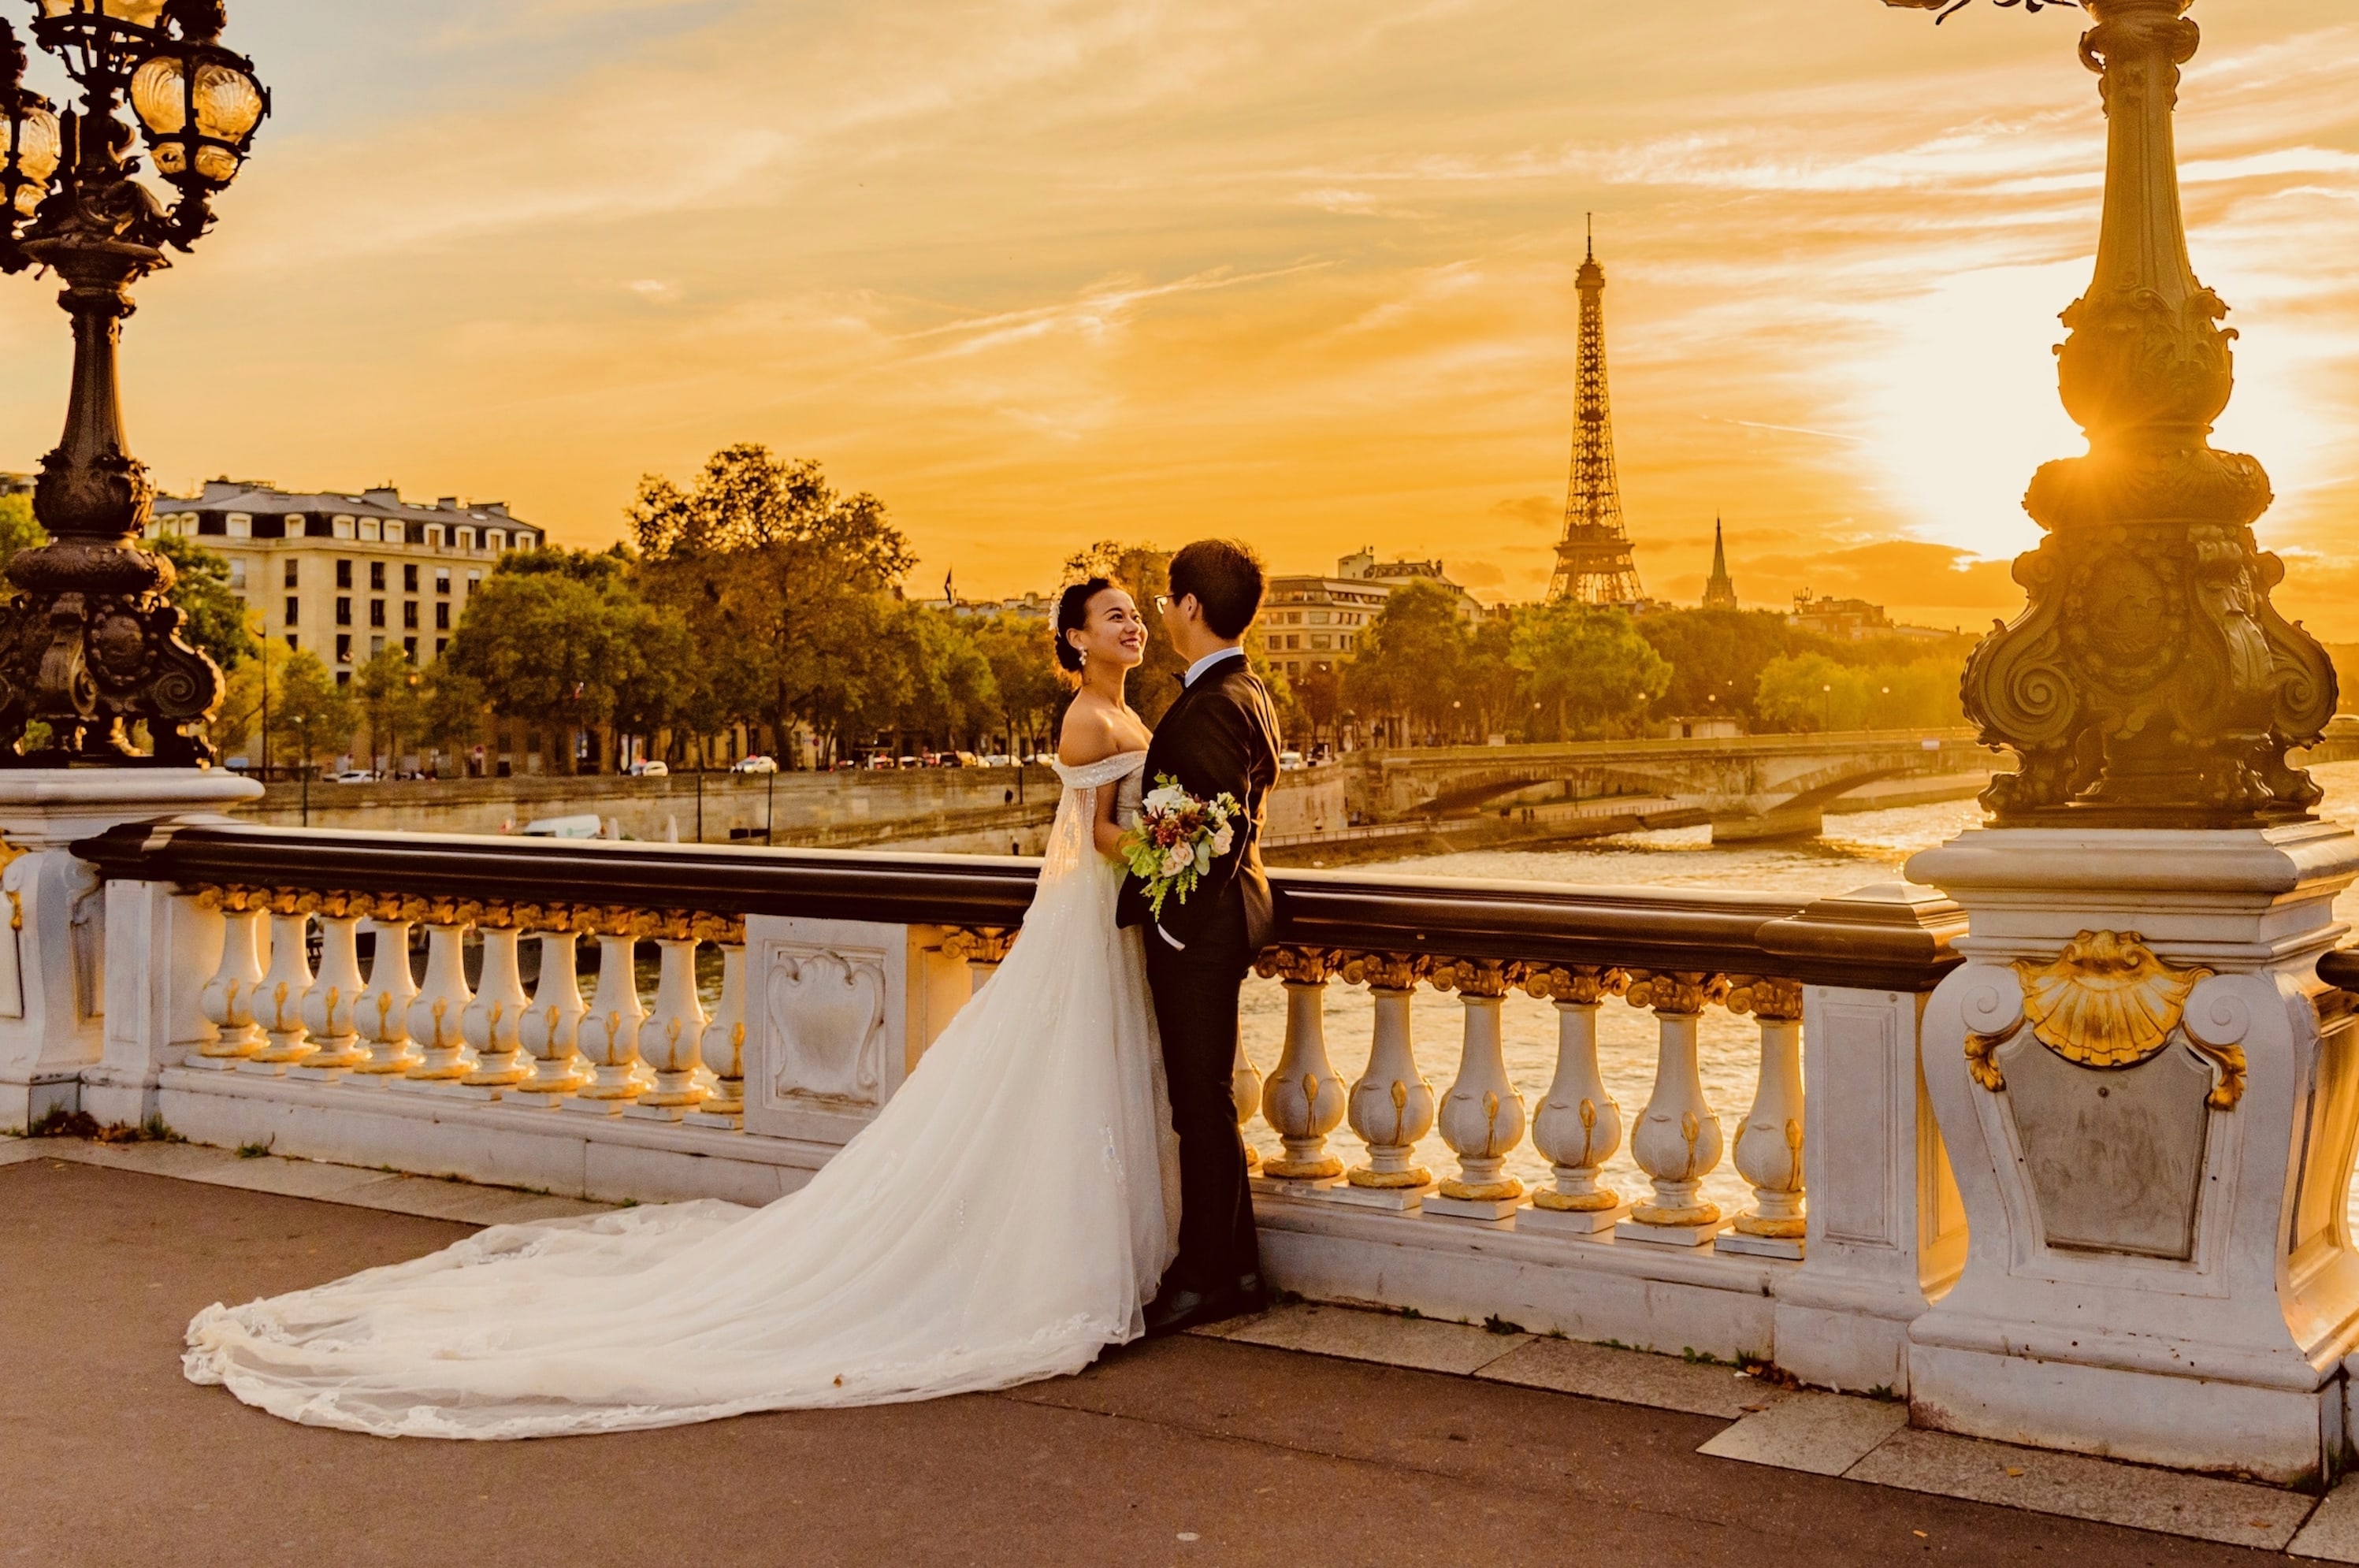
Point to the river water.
(1855, 851)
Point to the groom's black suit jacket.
(1221, 736)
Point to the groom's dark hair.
(1225, 577)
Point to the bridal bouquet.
(1177, 839)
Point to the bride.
(1004, 1219)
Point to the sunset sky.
(1040, 272)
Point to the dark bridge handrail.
(1890, 942)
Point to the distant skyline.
(1042, 272)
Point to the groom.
(1221, 735)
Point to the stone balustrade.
(792, 992)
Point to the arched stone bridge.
(1755, 787)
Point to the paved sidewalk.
(1196, 1451)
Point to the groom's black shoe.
(1177, 1311)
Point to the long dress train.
(1002, 1220)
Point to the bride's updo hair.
(1072, 612)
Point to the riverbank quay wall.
(968, 811)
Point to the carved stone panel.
(2115, 1158)
(837, 1013)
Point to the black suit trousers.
(1196, 1012)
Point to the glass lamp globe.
(198, 119)
(138, 13)
(33, 147)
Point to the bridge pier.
(1766, 827)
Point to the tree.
(1589, 671)
(388, 687)
(1319, 695)
(782, 584)
(1024, 674)
(562, 639)
(254, 687)
(1409, 660)
(1716, 659)
(311, 715)
(450, 714)
(1813, 691)
(18, 530)
(212, 618)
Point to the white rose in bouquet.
(1225, 840)
(1177, 858)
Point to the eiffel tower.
(1593, 564)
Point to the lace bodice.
(1125, 770)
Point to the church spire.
(1719, 592)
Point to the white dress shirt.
(1195, 671)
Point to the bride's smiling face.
(1111, 631)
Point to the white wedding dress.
(1003, 1219)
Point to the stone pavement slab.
(1633, 1378)
(1188, 1450)
(264, 1173)
(1824, 1435)
(2083, 1487)
(1426, 1344)
(2333, 1534)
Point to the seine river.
(1855, 852)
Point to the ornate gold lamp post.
(90, 644)
(2148, 1112)
(2150, 681)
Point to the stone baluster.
(328, 1002)
(1768, 1150)
(437, 1012)
(609, 1035)
(1678, 1139)
(227, 1000)
(1245, 1088)
(492, 1019)
(548, 1032)
(1391, 1105)
(1482, 1116)
(673, 1035)
(1304, 1098)
(278, 997)
(382, 1014)
(1578, 1126)
(983, 949)
(724, 1045)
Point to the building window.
(376, 576)
(344, 647)
(371, 529)
(293, 577)
(343, 575)
(1317, 642)
(343, 677)
(394, 532)
(441, 618)
(1317, 617)
(376, 614)
(440, 644)
(524, 542)
(496, 539)
(344, 611)
(294, 643)
(467, 539)
(409, 577)
(376, 646)
(238, 573)
(344, 528)
(409, 648)
(441, 580)
(434, 536)
(409, 614)
(294, 605)
(472, 579)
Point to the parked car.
(585, 825)
(912, 762)
(754, 765)
(650, 768)
(1289, 762)
(960, 759)
(999, 759)
(353, 775)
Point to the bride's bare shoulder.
(1091, 732)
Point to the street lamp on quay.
(91, 645)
